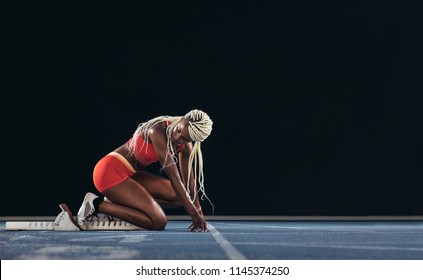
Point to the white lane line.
(230, 250)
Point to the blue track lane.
(384, 240)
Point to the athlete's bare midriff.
(136, 164)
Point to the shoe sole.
(87, 206)
(65, 208)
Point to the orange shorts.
(111, 170)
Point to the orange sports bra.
(146, 151)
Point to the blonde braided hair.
(199, 128)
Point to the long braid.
(200, 127)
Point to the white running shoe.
(87, 208)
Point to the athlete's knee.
(159, 222)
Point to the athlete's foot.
(87, 208)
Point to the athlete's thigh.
(157, 186)
(130, 193)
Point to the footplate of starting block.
(106, 224)
(66, 222)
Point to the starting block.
(66, 222)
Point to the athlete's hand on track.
(199, 223)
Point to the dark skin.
(140, 199)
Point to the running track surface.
(238, 240)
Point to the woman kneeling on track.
(137, 196)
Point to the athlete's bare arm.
(158, 137)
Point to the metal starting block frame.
(66, 222)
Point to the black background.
(317, 105)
